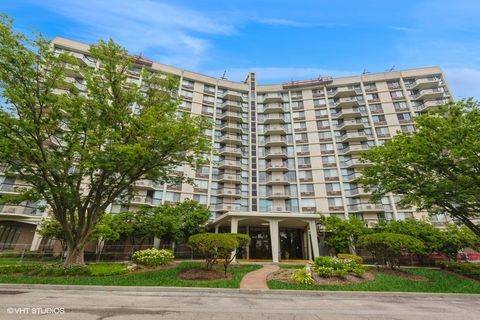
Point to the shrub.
(353, 257)
(386, 247)
(302, 276)
(335, 267)
(152, 257)
(218, 246)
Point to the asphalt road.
(25, 302)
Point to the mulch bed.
(203, 274)
(286, 274)
(139, 268)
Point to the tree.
(218, 246)
(343, 234)
(386, 247)
(418, 229)
(50, 228)
(81, 151)
(454, 239)
(436, 168)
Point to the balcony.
(283, 166)
(231, 193)
(347, 91)
(365, 207)
(231, 127)
(284, 194)
(233, 116)
(351, 124)
(277, 180)
(353, 163)
(424, 83)
(274, 154)
(231, 151)
(346, 102)
(352, 136)
(272, 97)
(142, 201)
(352, 149)
(276, 141)
(231, 138)
(147, 184)
(18, 211)
(428, 104)
(226, 207)
(232, 95)
(357, 192)
(435, 93)
(273, 118)
(230, 164)
(275, 129)
(350, 113)
(230, 178)
(232, 106)
(274, 108)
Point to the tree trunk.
(74, 255)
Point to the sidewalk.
(257, 280)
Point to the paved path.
(121, 303)
(258, 279)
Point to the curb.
(231, 290)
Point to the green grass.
(164, 278)
(439, 282)
(9, 261)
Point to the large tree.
(343, 234)
(436, 168)
(81, 151)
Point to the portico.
(275, 236)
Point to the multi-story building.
(285, 152)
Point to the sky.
(281, 40)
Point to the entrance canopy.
(274, 222)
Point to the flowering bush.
(335, 267)
(152, 257)
(302, 276)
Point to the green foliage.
(302, 276)
(217, 246)
(81, 151)
(454, 239)
(345, 256)
(335, 267)
(465, 268)
(435, 168)
(152, 257)
(386, 247)
(343, 233)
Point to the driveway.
(114, 303)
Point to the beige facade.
(290, 148)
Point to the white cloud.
(464, 82)
(294, 23)
(403, 29)
(278, 74)
(174, 33)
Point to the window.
(382, 132)
(400, 106)
(209, 89)
(202, 199)
(304, 161)
(333, 186)
(396, 94)
(172, 196)
(307, 188)
(208, 99)
(265, 205)
(325, 135)
(303, 149)
(328, 160)
(297, 105)
(376, 108)
(330, 173)
(319, 102)
(321, 113)
(372, 97)
(308, 203)
(408, 128)
(378, 118)
(305, 174)
(186, 105)
(300, 126)
(186, 94)
(299, 115)
(404, 117)
(335, 202)
(326, 147)
(207, 110)
(323, 124)
(187, 84)
(301, 137)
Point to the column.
(313, 235)
(274, 239)
(309, 245)
(156, 243)
(216, 228)
(37, 239)
(247, 231)
(234, 229)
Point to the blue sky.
(280, 40)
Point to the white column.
(247, 227)
(37, 239)
(216, 228)
(274, 239)
(313, 235)
(234, 229)
(156, 243)
(309, 245)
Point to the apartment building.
(285, 152)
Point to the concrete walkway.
(258, 279)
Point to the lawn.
(162, 278)
(438, 281)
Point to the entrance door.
(291, 243)
(260, 247)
